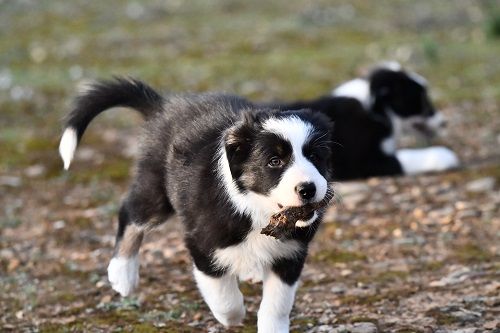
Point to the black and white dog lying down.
(369, 114)
(224, 166)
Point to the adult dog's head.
(402, 95)
(272, 160)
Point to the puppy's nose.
(306, 190)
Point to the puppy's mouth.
(308, 215)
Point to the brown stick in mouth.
(282, 224)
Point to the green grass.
(262, 50)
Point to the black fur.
(103, 95)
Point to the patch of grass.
(471, 253)
(75, 326)
(431, 266)
(386, 277)
(492, 25)
(441, 317)
(250, 289)
(363, 319)
(301, 324)
(338, 256)
(116, 169)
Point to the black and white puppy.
(223, 166)
(370, 114)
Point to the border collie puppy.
(369, 114)
(224, 166)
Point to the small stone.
(364, 328)
(492, 324)
(100, 284)
(106, 299)
(198, 316)
(354, 328)
(338, 290)
(13, 264)
(345, 272)
(60, 224)
(457, 276)
(10, 181)
(19, 314)
(481, 185)
(35, 170)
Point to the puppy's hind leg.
(123, 269)
(145, 207)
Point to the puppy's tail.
(100, 96)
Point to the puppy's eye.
(275, 162)
(313, 157)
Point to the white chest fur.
(252, 257)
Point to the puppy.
(369, 116)
(224, 166)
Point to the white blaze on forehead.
(292, 129)
(358, 89)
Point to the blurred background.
(384, 253)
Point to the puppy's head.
(278, 159)
(404, 95)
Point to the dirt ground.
(403, 254)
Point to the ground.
(405, 254)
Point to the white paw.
(430, 159)
(123, 273)
(231, 318)
(443, 158)
(268, 324)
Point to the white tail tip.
(68, 145)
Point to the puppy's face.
(406, 96)
(281, 158)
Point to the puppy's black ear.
(238, 143)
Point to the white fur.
(123, 273)
(418, 78)
(388, 145)
(67, 147)
(303, 224)
(277, 302)
(391, 65)
(399, 125)
(84, 87)
(415, 161)
(257, 206)
(358, 89)
(251, 258)
(435, 122)
(302, 170)
(222, 297)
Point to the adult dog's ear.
(238, 142)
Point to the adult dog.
(224, 166)
(369, 114)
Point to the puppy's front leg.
(222, 296)
(277, 302)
